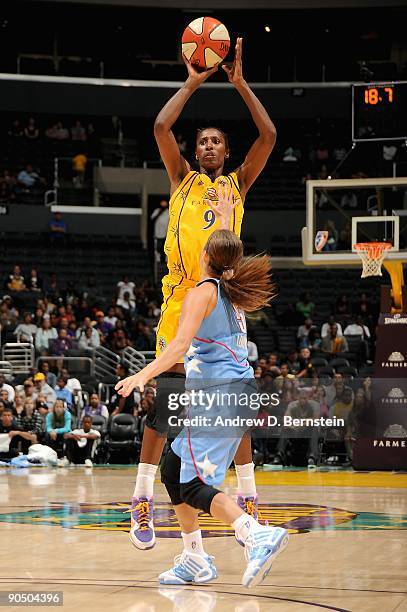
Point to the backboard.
(354, 210)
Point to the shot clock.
(379, 111)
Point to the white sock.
(193, 542)
(145, 480)
(243, 525)
(246, 483)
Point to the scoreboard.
(379, 111)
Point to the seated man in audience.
(73, 384)
(95, 407)
(333, 343)
(19, 440)
(25, 331)
(63, 393)
(62, 344)
(6, 387)
(50, 377)
(80, 442)
(45, 335)
(326, 327)
(303, 408)
(43, 388)
(336, 390)
(284, 375)
(15, 280)
(4, 397)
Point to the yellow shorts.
(175, 289)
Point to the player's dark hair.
(246, 280)
(212, 127)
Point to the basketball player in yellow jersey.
(193, 217)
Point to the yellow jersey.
(192, 221)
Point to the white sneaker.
(190, 568)
(63, 462)
(262, 546)
(88, 463)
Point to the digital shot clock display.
(379, 111)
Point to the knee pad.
(197, 494)
(167, 384)
(170, 471)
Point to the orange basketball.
(205, 42)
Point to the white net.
(372, 255)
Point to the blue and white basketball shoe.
(190, 568)
(249, 505)
(262, 546)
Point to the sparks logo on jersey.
(161, 343)
(115, 516)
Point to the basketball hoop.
(372, 255)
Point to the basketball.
(205, 42)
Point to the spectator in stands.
(333, 236)
(305, 306)
(357, 328)
(29, 179)
(285, 374)
(8, 183)
(336, 389)
(6, 387)
(119, 404)
(80, 443)
(314, 340)
(342, 306)
(79, 163)
(8, 426)
(332, 343)
(78, 132)
(303, 331)
(61, 133)
(26, 331)
(62, 344)
(127, 303)
(29, 389)
(31, 132)
(87, 340)
(64, 324)
(102, 326)
(82, 332)
(45, 336)
(326, 327)
(305, 363)
(15, 281)
(43, 388)
(160, 217)
(120, 341)
(18, 406)
(145, 339)
(72, 383)
(293, 362)
(111, 318)
(124, 286)
(63, 393)
(95, 407)
(52, 132)
(50, 377)
(30, 420)
(302, 408)
(253, 353)
(320, 397)
(16, 131)
(34, 283)
(58, 227)
(272, 360)
(5, 398)
(57, 423)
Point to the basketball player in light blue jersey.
(212, 335)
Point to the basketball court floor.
(66, 530)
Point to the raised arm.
(196, 304)
(176, 165)
(260, 150)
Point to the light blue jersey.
(219, 349)
(217, 368)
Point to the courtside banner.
(391, 347)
